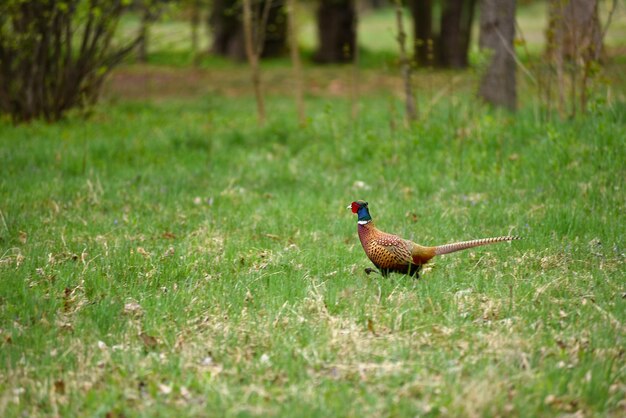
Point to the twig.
(512, 53)
(606, 27)
(4, 222)
(260, 28)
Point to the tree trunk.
(456, 25)
(335, 28)
(225, 21)
(450, 46)
(422, 12)
(497, 32)
(574, 42)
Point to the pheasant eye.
(355, 207)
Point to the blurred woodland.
(55, 55)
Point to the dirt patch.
(154, 83)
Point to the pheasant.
(392, 254)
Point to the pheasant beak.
(349, 207)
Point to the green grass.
(175, 257)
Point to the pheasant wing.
(391, 252)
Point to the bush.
(54, 55)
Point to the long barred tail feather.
(458, 246)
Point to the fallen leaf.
(184, 392)
(67, 299)
(169, 252)
(148, 340)
(412, 216)
(249, 298)
(142, 387)
(143, 252)
(370, 326)
(64, 325)
(19, 259)
(133, 308)
(59, 386)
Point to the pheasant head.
(360, 208)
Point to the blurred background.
(61, 55)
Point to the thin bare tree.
(354, 76)
(150, 11)
(405, 63)
(194, 11)
(254, 32)
(295, 59)
(574, 49)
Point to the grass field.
(171, 258)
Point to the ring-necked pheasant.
(392, 254)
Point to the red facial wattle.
(355, 207)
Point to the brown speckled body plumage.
(390, 253)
